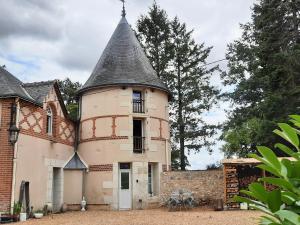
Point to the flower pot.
(23, 217)
(38, 215)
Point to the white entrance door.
(124, 189)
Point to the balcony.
(138, 144)
(138, 106)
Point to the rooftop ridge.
(39, 83)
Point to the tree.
(68, 91)
(281, 205)
(189, 81)
(154, 34)
(180, 61)
(214, 166)
(264, 69)
(175, 159)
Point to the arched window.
(49, 121)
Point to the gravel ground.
(149, 217)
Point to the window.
(137, 102)
(138, 139)
(49, 121)
(124, 180)
(125, 166)
(150, 179)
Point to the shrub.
(282, 205)
(17, 208)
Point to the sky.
(45, 40)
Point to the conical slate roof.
(123, 62)
(10, 86)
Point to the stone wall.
(207, 186)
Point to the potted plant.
(38, 214)
(16, 211)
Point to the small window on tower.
(49, 121)
(137, 102)
(150, 179)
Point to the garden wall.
(207, 186)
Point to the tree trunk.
(181, 122)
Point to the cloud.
(30, 18)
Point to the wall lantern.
(13, 129)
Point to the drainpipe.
(77, 137)
(167, 154)
(15, 149)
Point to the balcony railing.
(138, 144)
(138, 106)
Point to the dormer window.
(137, 102)
(49, 121)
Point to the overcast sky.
(43, 40)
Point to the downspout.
(167, 154)
(77, 137)
(15, 149)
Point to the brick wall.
(6, 157)
(33, 122)
(102, 167)
(206, 185)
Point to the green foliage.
(242, 140)
(180, 62)
(175, 159)
(282, 205)
(17, 208)
(68, 90)
(214, 166)
(264, 71)
(154, 34)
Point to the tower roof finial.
(123, 11)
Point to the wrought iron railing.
(138, 144)
(138, 106)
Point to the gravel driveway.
(149, 217)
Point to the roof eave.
(22, 98)
(81, 91)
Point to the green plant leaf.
(278, 182)
(259, 192)
(274, 200)
(266, 220)
(288, 133)
(247, 200)
(269, 155)
(288, 197)
(269, 169)
(286, 150)
(295, 117)
(288, 215)
(297, 124)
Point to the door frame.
(119, 186)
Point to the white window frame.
(49, 121)
(152, 179)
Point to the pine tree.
(264, 68)
(180, 62)
(189, 81)
(154, 35)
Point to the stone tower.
(124, 129)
